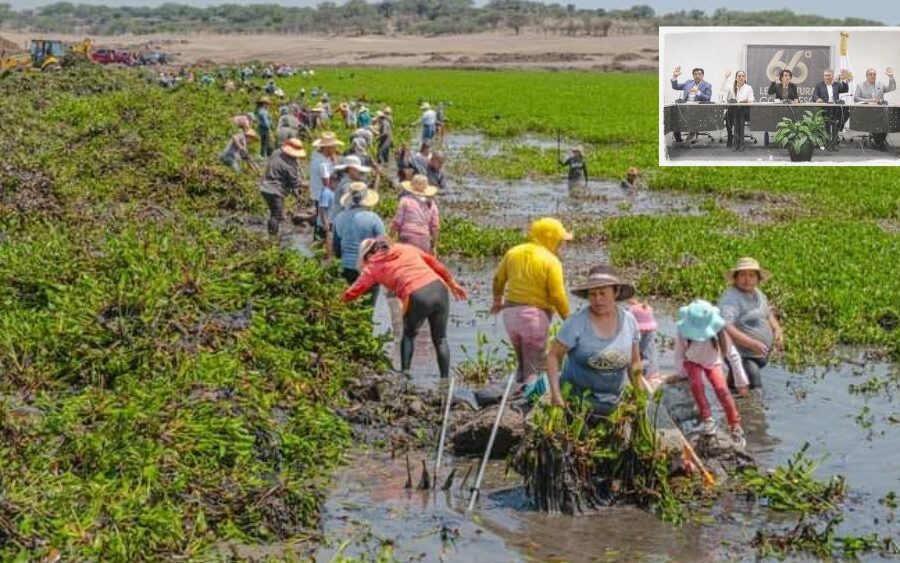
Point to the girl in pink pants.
(699, 349)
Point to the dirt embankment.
(483, 50)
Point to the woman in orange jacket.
(421, 283)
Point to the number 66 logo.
(797, 68)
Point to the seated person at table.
(696, 90)
(784, 89)
(872, 92)
(829, 91)
(739, 92)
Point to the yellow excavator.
(45, 54)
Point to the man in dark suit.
(785, 89)
(829, 91)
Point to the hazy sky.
(887, 11)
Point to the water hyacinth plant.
(168, 374)
(572, 461)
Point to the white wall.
(719, 49)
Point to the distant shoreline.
(477, 50)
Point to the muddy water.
(813, 406)
(515, 203)
(855, 436)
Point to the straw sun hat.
(419, 186)
(352, 161)
(604, 277)
(327, 139)
(367, 198)
(751, 264)
(293, 148)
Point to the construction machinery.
(44, 54)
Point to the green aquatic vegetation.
(793, 487)
(824, 270)
(169, 376)
(865, 419)
(484, 362)
(805, 537)
(463, 237)
(875, 385)
(572, 462)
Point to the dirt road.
(485, 50)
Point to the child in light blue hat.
(700, 347)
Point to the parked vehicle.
(44, 54)
(153, 58)
(113, 56)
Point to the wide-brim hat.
(387, 110)
(579, 149)
(425, 105)
(318, 107)
(419, 186)
(369, 197)
(264, 100)
(250, 133)
(699, 321)
(354, 162)
(293, 148)
(625, 289)
(327, 139)
(747, 263)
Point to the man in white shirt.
(428, 119)
(321, 170)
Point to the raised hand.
(890, 71)
(677, 72)
(727, 73)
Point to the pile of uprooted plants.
(572, 462)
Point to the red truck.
(113, 56)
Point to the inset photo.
(749, 96)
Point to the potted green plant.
(802, 137)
